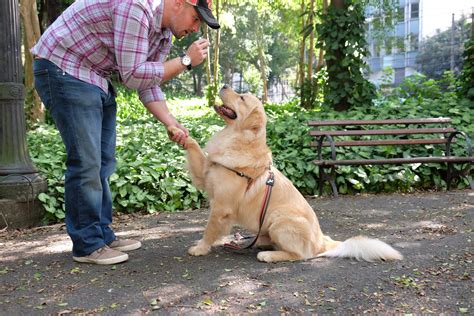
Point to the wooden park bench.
(409, 132)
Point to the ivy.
(151, 175)
(467, 76)
(342, 37)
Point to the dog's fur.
(290, 226)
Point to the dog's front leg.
(219, 225)
(196, 162)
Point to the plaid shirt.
(94, 38)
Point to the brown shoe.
(125, 244)
(103, 255)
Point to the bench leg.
(453, 173)
(321, 180)
(330, 177)
(449, 175)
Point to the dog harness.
(268, 192)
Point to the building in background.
(393, 55)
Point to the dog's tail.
(360, 248)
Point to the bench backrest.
(393, 127)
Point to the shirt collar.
(158, 8)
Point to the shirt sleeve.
(131, 25)
(152, 94)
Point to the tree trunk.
(311, 41)
(216, 49)
(301, 69)
(212, 71)
(207, 65)
(199, 84)
(29, 16)
(54, 10)
(320, 63)
(262, 62)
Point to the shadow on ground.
(432, 230)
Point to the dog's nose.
(225, 86)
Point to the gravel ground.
(433, 230)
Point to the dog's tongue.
(225, 111)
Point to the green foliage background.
(341, 35)
(151, 174)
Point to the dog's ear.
(255, 121)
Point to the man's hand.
(198, 51)
(178, 133)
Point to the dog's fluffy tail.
(362, 248)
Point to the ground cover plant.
(151, 174)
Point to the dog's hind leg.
(293, 241)
(276, 256)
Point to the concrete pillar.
(20, 182)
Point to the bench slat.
(408, 131)
(349, 143)
(393, 161)
(381, 122)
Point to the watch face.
(186, 60)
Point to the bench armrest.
(331, 143)
(452, 135)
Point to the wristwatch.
(186, 61)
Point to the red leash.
(268, 192)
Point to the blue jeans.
(85, 116)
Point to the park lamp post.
(20, 182)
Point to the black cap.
(203, 8)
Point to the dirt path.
(432, 230)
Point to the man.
(73, 61)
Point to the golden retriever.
(290, 225)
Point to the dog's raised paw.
(199, 250)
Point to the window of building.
(415, 10)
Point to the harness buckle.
(270, 180)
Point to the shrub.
(150, 173)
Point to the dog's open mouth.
(227, 112)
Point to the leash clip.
(270, 180)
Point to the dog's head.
(241, 111)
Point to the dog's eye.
(242, 98)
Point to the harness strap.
(240, 174)
(268, 192)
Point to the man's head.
(203, 8)
(188, 15)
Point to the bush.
(150, 173)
